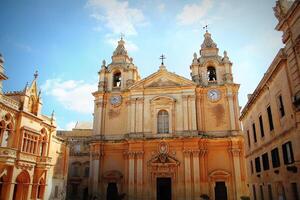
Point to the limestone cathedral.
(165, 136)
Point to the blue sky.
(66, 41)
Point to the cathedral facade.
(166, 136)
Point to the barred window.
(162, 122)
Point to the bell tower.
(217, 94)
(120, 73)
(210, 68)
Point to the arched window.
(211, 74)
(117, 79)
(5, 133)
(162, 122)
(41, 189)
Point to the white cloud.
(194, 13)
(70, 125)
(72, 94)
(117, 16)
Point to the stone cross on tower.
(162, 57)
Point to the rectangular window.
(295, 191)
(287, 150)
(281, 107)
(248, 137)
(251, 166)
(254, 192)
(271, 125)
(254, 132)
(56, 192)
(261, 192)
(261, 125)
(270, 192)
(265, 160)
(257, 164)
(275, 158)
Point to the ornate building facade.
(166, 136)
(33, 160)
(271, 117)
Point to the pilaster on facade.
(187, 174)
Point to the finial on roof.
(122, 36)
(208, 41)
(162, 57)
(1, 59)
(225, 57)
(52, 117)
(26, 86)
(120, 50)
(103, 64)
(36, 74)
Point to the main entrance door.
(163, 188)
(220, 191)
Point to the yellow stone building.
(79, 160)
(166, 136)
(271, 118)
(33, 160)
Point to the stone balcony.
(8, 155)
(27, 157)
(43, 161)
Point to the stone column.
(133, 116)
(237, 172)
(203, 171)
(94, 163)
(185, 112)
(196, 174)
(231, 110)
(187, 174)
(98, 117)
(193, 113)
(128, 104)
(139, 175)
(131, 156)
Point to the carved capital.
(139, 154)
(187, 153)
(131, 154)
(196, 153)
(235, 152)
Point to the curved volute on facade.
(120, 73)
(210, 68)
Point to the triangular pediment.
(163, 79)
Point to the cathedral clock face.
(116, 100)
(214, 95)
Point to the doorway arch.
(22, 186)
